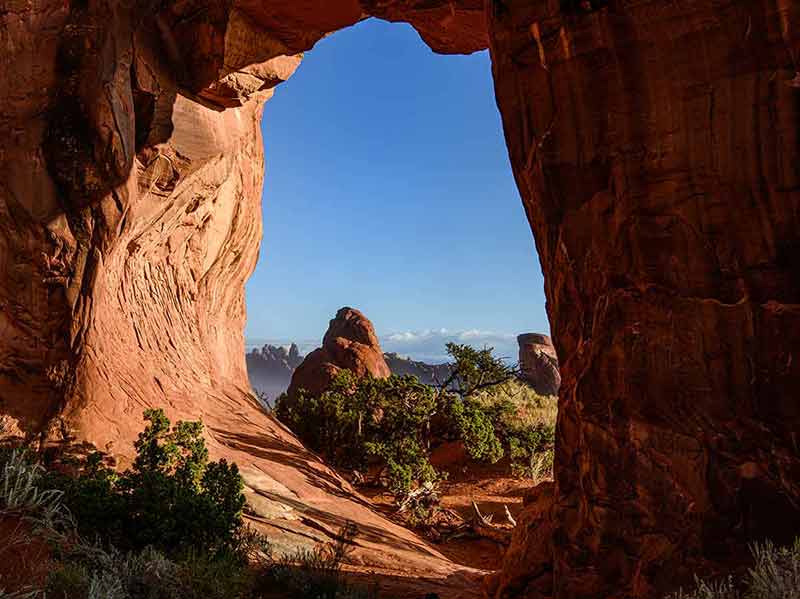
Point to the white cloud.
(427, 345)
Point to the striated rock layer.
(131, 167)
(656, 147)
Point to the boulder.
(538, 363)
(349, 344)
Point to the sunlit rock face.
(655, 146)
(350, 343)
(131, 171)
(538, 363)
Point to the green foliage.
(172, 498)
(476, 429)
(774, 575)
(20, 491)
(91, 571)
(168, 528)
(68, 580)
(357, 422)
(474, 370)
(392, 423)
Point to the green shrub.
(67, 581)
(169, 528)
(392, 423)
(148, 574)
(358, 422)
(172, 498)
(21, 492)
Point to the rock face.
(428, 374)
(656, 148)
(270, 368)
(538, 363)
(349, 344)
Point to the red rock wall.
(131, 169)
(131, 220)
(655, 145)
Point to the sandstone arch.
(656, 147)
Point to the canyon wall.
(656, 148)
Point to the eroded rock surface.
(655, 146)
(538, 363)
(131, 166)
(350, 343)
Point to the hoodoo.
(349, 344)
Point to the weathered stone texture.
(656, 147)
(538, 363)
(131, 167)
(350, 343)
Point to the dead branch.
(483, 526)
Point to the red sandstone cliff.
(655, 145)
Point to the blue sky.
(388, 189)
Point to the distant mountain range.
(270, 368)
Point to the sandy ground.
(491, 487)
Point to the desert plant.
(392, 423)
(20, 490)
(356, 422)
(27, 594)
(91, 570)
(775, 574)
(720, 589)
(172, 498)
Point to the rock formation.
(538, 363)
(655, 146)
(656, 150)
(270, 368)
(349, 344)
(428, 374)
